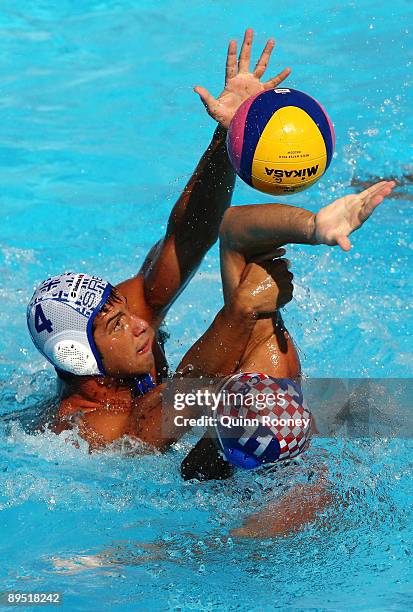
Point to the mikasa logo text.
(292, 173)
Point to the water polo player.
(96, 338)
(248, 232)
(104, 342)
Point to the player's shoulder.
(76, 404)
(79, 404)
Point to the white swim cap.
(60, 317)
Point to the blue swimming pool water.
(100, 130)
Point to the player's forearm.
(292, 512)
(219, 350)
(259, 228)
(197, 215)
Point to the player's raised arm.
(258, 228)
(248, 231)
(194, 222)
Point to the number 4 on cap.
(40, 321)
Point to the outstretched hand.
(240, 83)
(334, 223)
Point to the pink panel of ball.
(235, 137)
(333, 135)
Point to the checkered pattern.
(288, 404)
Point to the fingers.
(277, 268)
(377, 187)
(208, 100)
(383, 190)
(369, 207)
(372, 188)
(279, 271)
(285, 296)
(272, 280)
(374, 198)
(231, 67)
(285, 279)
(286, 289)
(244, 57)
(279, 252)
(275, 81)
(344, 243)
(262, 63)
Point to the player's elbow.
(234, 234)
(226, 236)
(195, 242)
(208, 235)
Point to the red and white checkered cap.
(280, 399)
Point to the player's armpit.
(151, 256)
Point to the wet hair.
(114, 297)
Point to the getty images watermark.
(208, 401)
(340, 407)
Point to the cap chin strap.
(143, 383)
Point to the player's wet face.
(123, 340)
